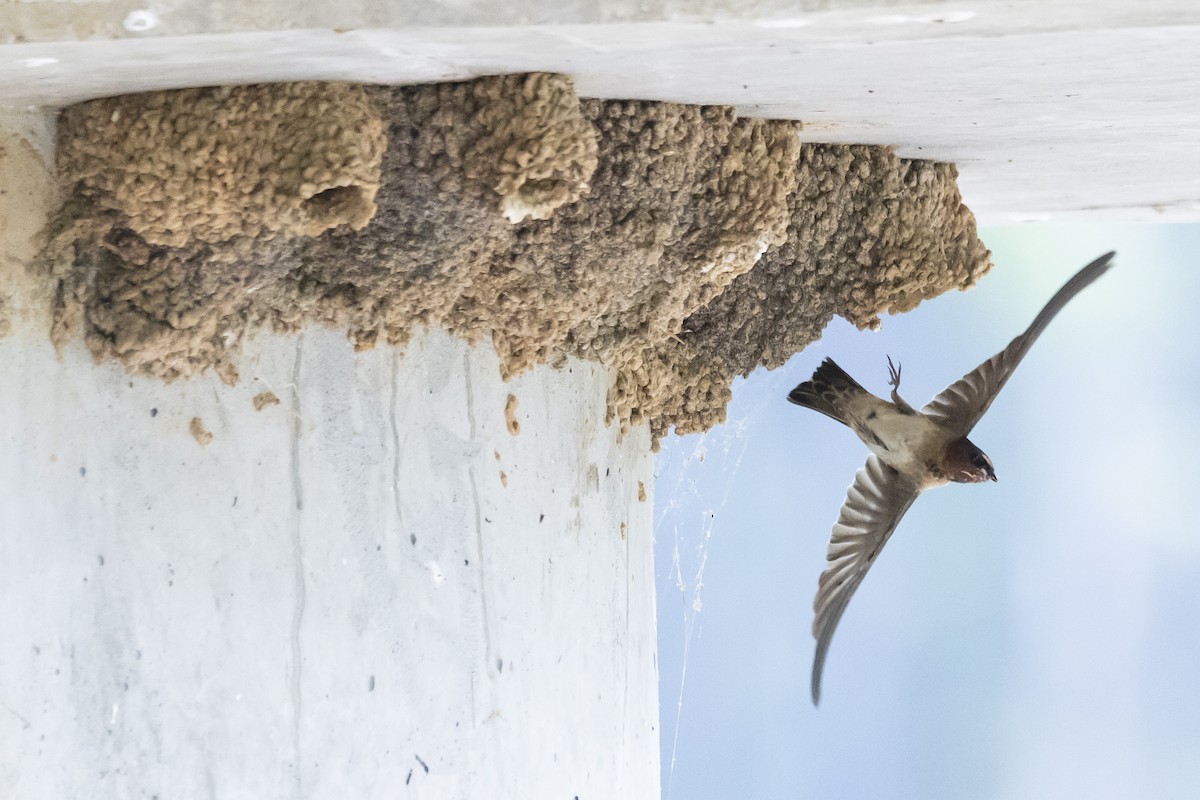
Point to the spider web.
(694, 477)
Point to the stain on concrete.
(201, 434)
(264, 400)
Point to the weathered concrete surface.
(1050, 110)
(353, 574)
(371, 574)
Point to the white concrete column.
(378, 586)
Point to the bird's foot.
(894, 373)
(894, 382)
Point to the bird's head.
(966, 463)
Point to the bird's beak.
(993, 477)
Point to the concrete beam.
(1049, 112)
(368, 588)
(353, 574)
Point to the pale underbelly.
(908, 443)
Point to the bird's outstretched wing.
(962, 403)
(874, 505)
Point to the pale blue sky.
(1038, 637)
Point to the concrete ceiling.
(1057, 111)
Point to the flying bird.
(911, 451)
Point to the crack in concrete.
(488, 660)
(298, 565)
(393, 403)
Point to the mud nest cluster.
(678, 244)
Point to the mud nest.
(678, 244)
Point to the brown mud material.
(201, 434)
(869, 233)
(265, 399)
(510, 417)
(213, 165)
(678, 244)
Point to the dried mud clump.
(685, 200)
(463, 160)
(681, 200)
(213, 165)
(181, 205)
(678, 244)
(870, 233)
(543, 150)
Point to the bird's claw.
(894, 372)
(894, 382)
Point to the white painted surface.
(333, 591)
(1051, 110)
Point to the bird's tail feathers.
(818, 391)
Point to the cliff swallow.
(911, 451)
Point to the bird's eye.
(977, 460)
